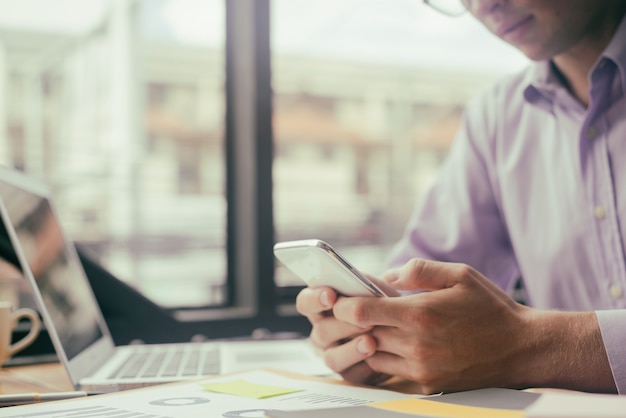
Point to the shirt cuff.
(613, 328)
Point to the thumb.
(421, 274)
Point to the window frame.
(254, 301)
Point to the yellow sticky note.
(447, 410)
(248, 389)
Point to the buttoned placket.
(600, 186)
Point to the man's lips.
(510, 26)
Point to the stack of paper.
(403, 409)
(280, 395)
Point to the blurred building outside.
(128, 131)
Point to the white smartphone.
(319, 264)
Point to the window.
(179, 149)
(368, 97)
(119, 106)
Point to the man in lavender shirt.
(534, 187)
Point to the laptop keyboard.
(169, 362)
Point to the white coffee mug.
(8, 322)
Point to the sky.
(397, 32)
(403, 32)
(68, 16)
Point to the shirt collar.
(543, 84)
(616, 52)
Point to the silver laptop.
(76, 325)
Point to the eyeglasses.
(448, 7)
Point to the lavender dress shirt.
(535, 187)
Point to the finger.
(344, 356)
(421, 274)
(313, 302)
(427, 380)
(329, 332)
(414, 311)
(366, 312)
(391, 364)
(361, 373)
(395, 340)
(387, 290)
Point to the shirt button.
(591, 132)
(615, 291)
(599, 212)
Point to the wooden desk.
(36, 378)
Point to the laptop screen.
(64, 289)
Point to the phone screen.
(318, 264)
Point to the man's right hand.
(342, 345)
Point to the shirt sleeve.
(458, 218)
(613, 326)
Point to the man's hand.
(460, 332)
(343, 345)
(463, 332)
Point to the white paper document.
(577, 405)
(192, 399)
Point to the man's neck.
(573, 73)
(575, 64)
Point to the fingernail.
(362, 348)
(325, 299)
